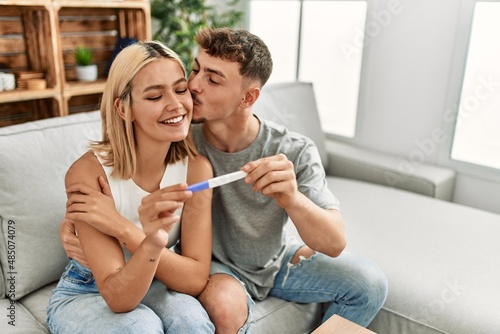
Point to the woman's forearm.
(180, 273)
(124, 289)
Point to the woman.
(146, 157)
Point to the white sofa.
(442, 260)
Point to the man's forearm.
(321, 230)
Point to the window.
(319, 42)
(477, 130)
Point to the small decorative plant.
(83, 56)
(85, 70)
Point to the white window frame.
(454, 96)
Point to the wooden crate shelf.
(26, 95)
(98, 29)
(27, 110)
(83, 103)
(41, 36)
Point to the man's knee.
(374, 285)
(381, 286)
(225, 300)
(224, 290)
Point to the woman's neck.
(151, 167)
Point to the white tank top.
(128, 195)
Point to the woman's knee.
(180, 313)
(140, 320)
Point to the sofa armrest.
(353, 162)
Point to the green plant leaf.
(83, 56)
(177, 22)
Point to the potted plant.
(85, 69)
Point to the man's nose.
(192, 84)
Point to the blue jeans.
(77, 307)
(353, 287)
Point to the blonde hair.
(118, 145)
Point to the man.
(287, 180)
(252, 259)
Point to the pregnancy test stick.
(217, 181)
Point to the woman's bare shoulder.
(199, 169)
(87, 167)
(200, 162)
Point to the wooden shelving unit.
(41, 35)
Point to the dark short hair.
(241, 46)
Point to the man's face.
(216, 87)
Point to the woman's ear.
(119, 107)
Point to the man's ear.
(250, 97)
(121, 110)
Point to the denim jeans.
(77, 307)
(352, 287)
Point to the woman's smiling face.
(161, 102)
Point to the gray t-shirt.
(248, 233)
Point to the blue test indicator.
(217, 181)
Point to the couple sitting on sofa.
(128, 200)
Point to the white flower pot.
(86, 73)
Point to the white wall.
(404, 82)
(410, 83)
(412, 69)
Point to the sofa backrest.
(293, 105)
(34, 158)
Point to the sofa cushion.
(34, 158)
(273, 315)
(441, 259)
(2, 281)
(362, 164)
(16, 319)
(293, 105)
(36, 302)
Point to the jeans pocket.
(77, 274)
